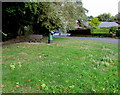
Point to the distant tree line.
(106, 17)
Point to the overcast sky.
(97, 7)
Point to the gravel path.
(110, 40)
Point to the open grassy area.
(66, 66)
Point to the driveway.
(110, 40)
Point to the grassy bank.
(66, 66)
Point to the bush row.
(95, 32)
(100, 31)
(80, 32)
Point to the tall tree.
(12, 17)
(41, 16)
(70, 12)
(106, 17)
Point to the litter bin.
(50, 38)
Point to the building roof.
(105, 24)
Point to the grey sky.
(97, 7)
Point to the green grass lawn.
(66, 66)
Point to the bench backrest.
(36, 37)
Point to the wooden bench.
(35, 38)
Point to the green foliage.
(15, 17)
(100, 31)
(113, 29)
(89, 17)
(106, 17)
(118, 33)
(41, 16)
(70, 12)
(103, 32)
(28, 30)
(50, 16)
(94, 22)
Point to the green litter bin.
(50, 38)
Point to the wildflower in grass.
(17, 83)
(58, 75)
(40, 56)
(72, 86)
(94, 90)
(43, 85)
(103, 88)
(12, 66)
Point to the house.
(108, 24)
(105, 24)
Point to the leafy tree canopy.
(94, 22)
(48, 16)
(106, 17)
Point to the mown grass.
(66, 66)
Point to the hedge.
(118, 33)
(100, 31)
(80, 32)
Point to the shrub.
(100, 31)
(94, 23)
(113, 29)
(118, 33)
(102, 35)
